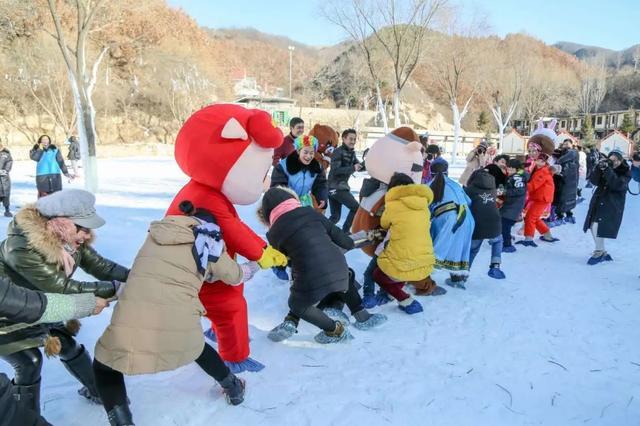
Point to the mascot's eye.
(416, 167)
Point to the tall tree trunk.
(457, 120)
(87, 134)
(381, 109)
(396, 108)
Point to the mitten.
(272, 257)
(249, 269)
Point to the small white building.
(563, 136)
(514, 143)
(616, 140)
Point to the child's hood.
(482, 180)
(173, 230)
(414, 197)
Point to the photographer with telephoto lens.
(611, 177)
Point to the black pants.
(507, 226)
(6, 201)
(338, 198)
(27, 364)
(112, 388)
(314, 315)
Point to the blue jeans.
(369, 285)
(496, 249)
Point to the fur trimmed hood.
(30, 224)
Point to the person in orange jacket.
(540, 190)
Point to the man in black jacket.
(343, 164)
(19, 404)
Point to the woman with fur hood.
(156, 324)
(46, 243)
(319, 268)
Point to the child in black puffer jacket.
(319, 269)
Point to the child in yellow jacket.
(407, 256)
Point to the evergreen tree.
(627, 125)
(588, 137)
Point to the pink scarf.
(282, 208)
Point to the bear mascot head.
(228, 148)
(396, 152)
(327, 142)
(543, 138)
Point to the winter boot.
(233, 389)
(456, 281)
(527, 243)
(366, 321)
(27, 397)
(599, 257)
(339, 334)
(570, 219)
(428, 287)
(81, 368)
(120, 415)
(369, 301)
(7, 213)
(410, 306)
(495, 272)
(281, 272)
(282, 331)
(247, 364)
(508, 249)
(337, 315)
(382, 298)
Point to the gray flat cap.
(76, 204)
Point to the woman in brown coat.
(476, 159)
(156, 324)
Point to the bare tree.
(188, 91)
(82, 77)
(636, 58)
(348, 15)
(593, 86)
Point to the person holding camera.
(611, 177)
(475, 160)
(431, 153)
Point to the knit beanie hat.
(439, 165)
(308, 140)
(272, 198)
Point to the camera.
(605, 164)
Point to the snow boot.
(549, 240)
(233, 389)
(599, 257)
(281, 272)
(508, 249)
(373, 321)
(570, 219)
(456, 281)
(27, 397)
(428, 287)
(7, 213)
(120, 415)
(248, 364)
(410, 306)
(282, 331)
(382, 298)
(340, 334)
(527, 243)
(337, 315)
(369, 301)
(81, 368)
(495, 272)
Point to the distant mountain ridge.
(613, 58)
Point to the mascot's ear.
(234, 130)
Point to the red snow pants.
(227, 310)
(391, 286)
(533, 219)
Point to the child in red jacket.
(540, 190)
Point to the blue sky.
(614, 24)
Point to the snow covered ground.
(556, 343)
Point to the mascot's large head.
(396, 152)
(543, 138)
(229, 148)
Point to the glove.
(359, 236)
(272, 257)
(376, 234)
(249, 269)
(3, 173)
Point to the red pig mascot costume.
(227, 150)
